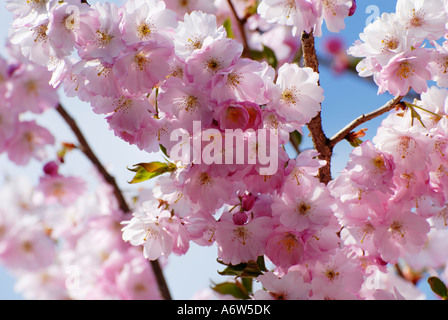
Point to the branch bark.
(88, 152)
(341, 135)
(246, 50)
(320, 140)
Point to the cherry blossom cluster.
(154, 67)
(24, 93)
(46, 243)
(394, 48)
(308, 15)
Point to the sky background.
(346, 97)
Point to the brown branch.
(88, 152)
(320, 140)
(341, 135)
(85, 148)
(241, 23)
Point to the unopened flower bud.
(51, 168)
(352, 9)
(239, 218)
(247, 202)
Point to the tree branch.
(85, 148)
(341, 135)
(320, 140)
(88, 152)
(241, 23)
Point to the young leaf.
(227, 24)
(415, 115)
(146, 171)
(438, 287)
(250, 269)
(270, 57)
(235, 289)
(164, 151)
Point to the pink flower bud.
(334, 45)
(352, 9)
(239, 218)
(247, 202)
(51, 168)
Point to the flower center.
(303, 208)
(194, 42)
(289, 242)
(417, 18)
(379, 164)
(389, 44)
(397, 229)
(212, 65)
(40, 33)
(141, 61)
(205, 181)
(36, 4)
(289, 96)
(405, 70)
(103, 38)
(241, 234)
(144, 31)
(190, 104)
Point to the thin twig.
(241, 24)
(341, 135)
(88, 152)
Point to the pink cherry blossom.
(31, 90)
(298, 97)
(285, 247)
(145, 21)
(405, 71)
(28, 142)
(289, 287)
(241, 243)
(140, 70)
(64, 190)
(402, 231)
(100, 36)
(198, 29)
(144, 229)
(218, 57)
(302, 208)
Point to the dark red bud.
(51, 168)
(352, 9)
(247, 202)
(239, 218)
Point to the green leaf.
(247, 284)
(235, 289)
(251, 269)
(267, 54)
(164, 151)
(438, 287)
(355, 142)
(270, 57)
(227, 24)
(146, 171)
(415, 115)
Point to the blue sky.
(346, 97)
